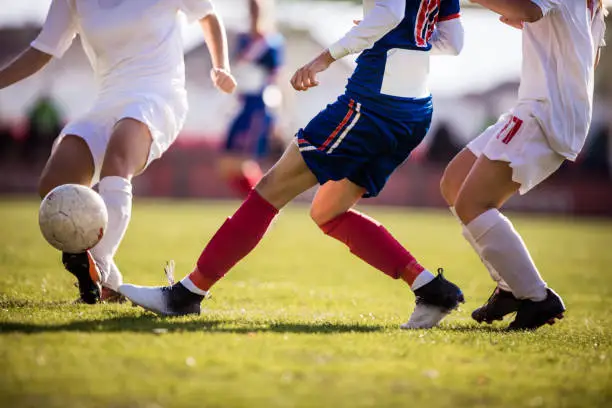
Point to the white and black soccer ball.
(73, 218)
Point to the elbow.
(396, 13)
(532, 13)
(458, 46)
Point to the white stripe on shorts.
(347, 130)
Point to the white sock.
(469, 238)
(422, 279)
(192, 287)
(117, 194)
(503, 248)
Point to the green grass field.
(299, 323)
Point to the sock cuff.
(261, 203)
(484, 222)
(422, 279)
(115, 183)
(188, 283)
(331, 225)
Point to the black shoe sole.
(549, 322)
(89, 290)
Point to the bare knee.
(70, 163)
(449, 187)
(118, 164)
(128, 150)
(45, 184)
(455, 174)
(321, 215)
(468, 208)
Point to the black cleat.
(434, 302)
(500, 304)
(531, 315)
(175, 300)
(84, 268)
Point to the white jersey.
(559, 55)
(134, 46)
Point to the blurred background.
(470, 91)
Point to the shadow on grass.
(160, 325)
(473, 328)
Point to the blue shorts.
(250, 130)
(348, 140)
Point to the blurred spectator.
(44, 124)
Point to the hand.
(223, 80)
(512, 23)
(356, 22)
(306, 77)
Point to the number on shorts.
(510, 130)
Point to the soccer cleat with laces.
(499, 304)
(84, 268)
(531, 315)
(174, 300)
(434, 301)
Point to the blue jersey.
(401, 56)
(259, 59)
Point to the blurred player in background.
(135, 50)
(259, 59)
(549, 124)
(350, 149)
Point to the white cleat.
(425, 316)
(150, 298)
(175, 300)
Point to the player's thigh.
(127, 153)
(488, 185)
(71, 162)
(287, 179)
(455, 174)
(334, 198)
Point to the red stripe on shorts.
(339, 127)
(516, 126)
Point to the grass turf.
(300, 322)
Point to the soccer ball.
(73, 218)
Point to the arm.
(384, 17)
(523, 10)
(216, 41)
(26, 64)
(215, 38)
(54, 39)
(447, 38)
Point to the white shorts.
(163, 117)
(518, 139)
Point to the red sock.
(242, 184)
(234, 240)
(370, 241)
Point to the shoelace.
(169, 271)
